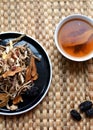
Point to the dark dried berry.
(75, 115)
(89, 113)
(86, 105)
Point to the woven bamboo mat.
(72, 82)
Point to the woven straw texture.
(72, 82)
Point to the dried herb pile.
(18, 72)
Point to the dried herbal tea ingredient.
(89, 113)
(18, 72)
(84, 106)
(75, 115)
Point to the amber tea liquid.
(75, 28)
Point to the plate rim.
(50, 79)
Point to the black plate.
(44, 71)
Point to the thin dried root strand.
(36, 57)
(30, 81)
(21, 46)
(17, 39)
(5, 91)
(32, 54)
(2, 47)
(24, 87)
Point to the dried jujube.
(75, 115)
(84, 106)
(89, 113)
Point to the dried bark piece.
(28, 73)
(12, 73)
(3, 103)
(35, 77)
(34, 69)
(4, 98)
(17, 100)
(31, 70)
